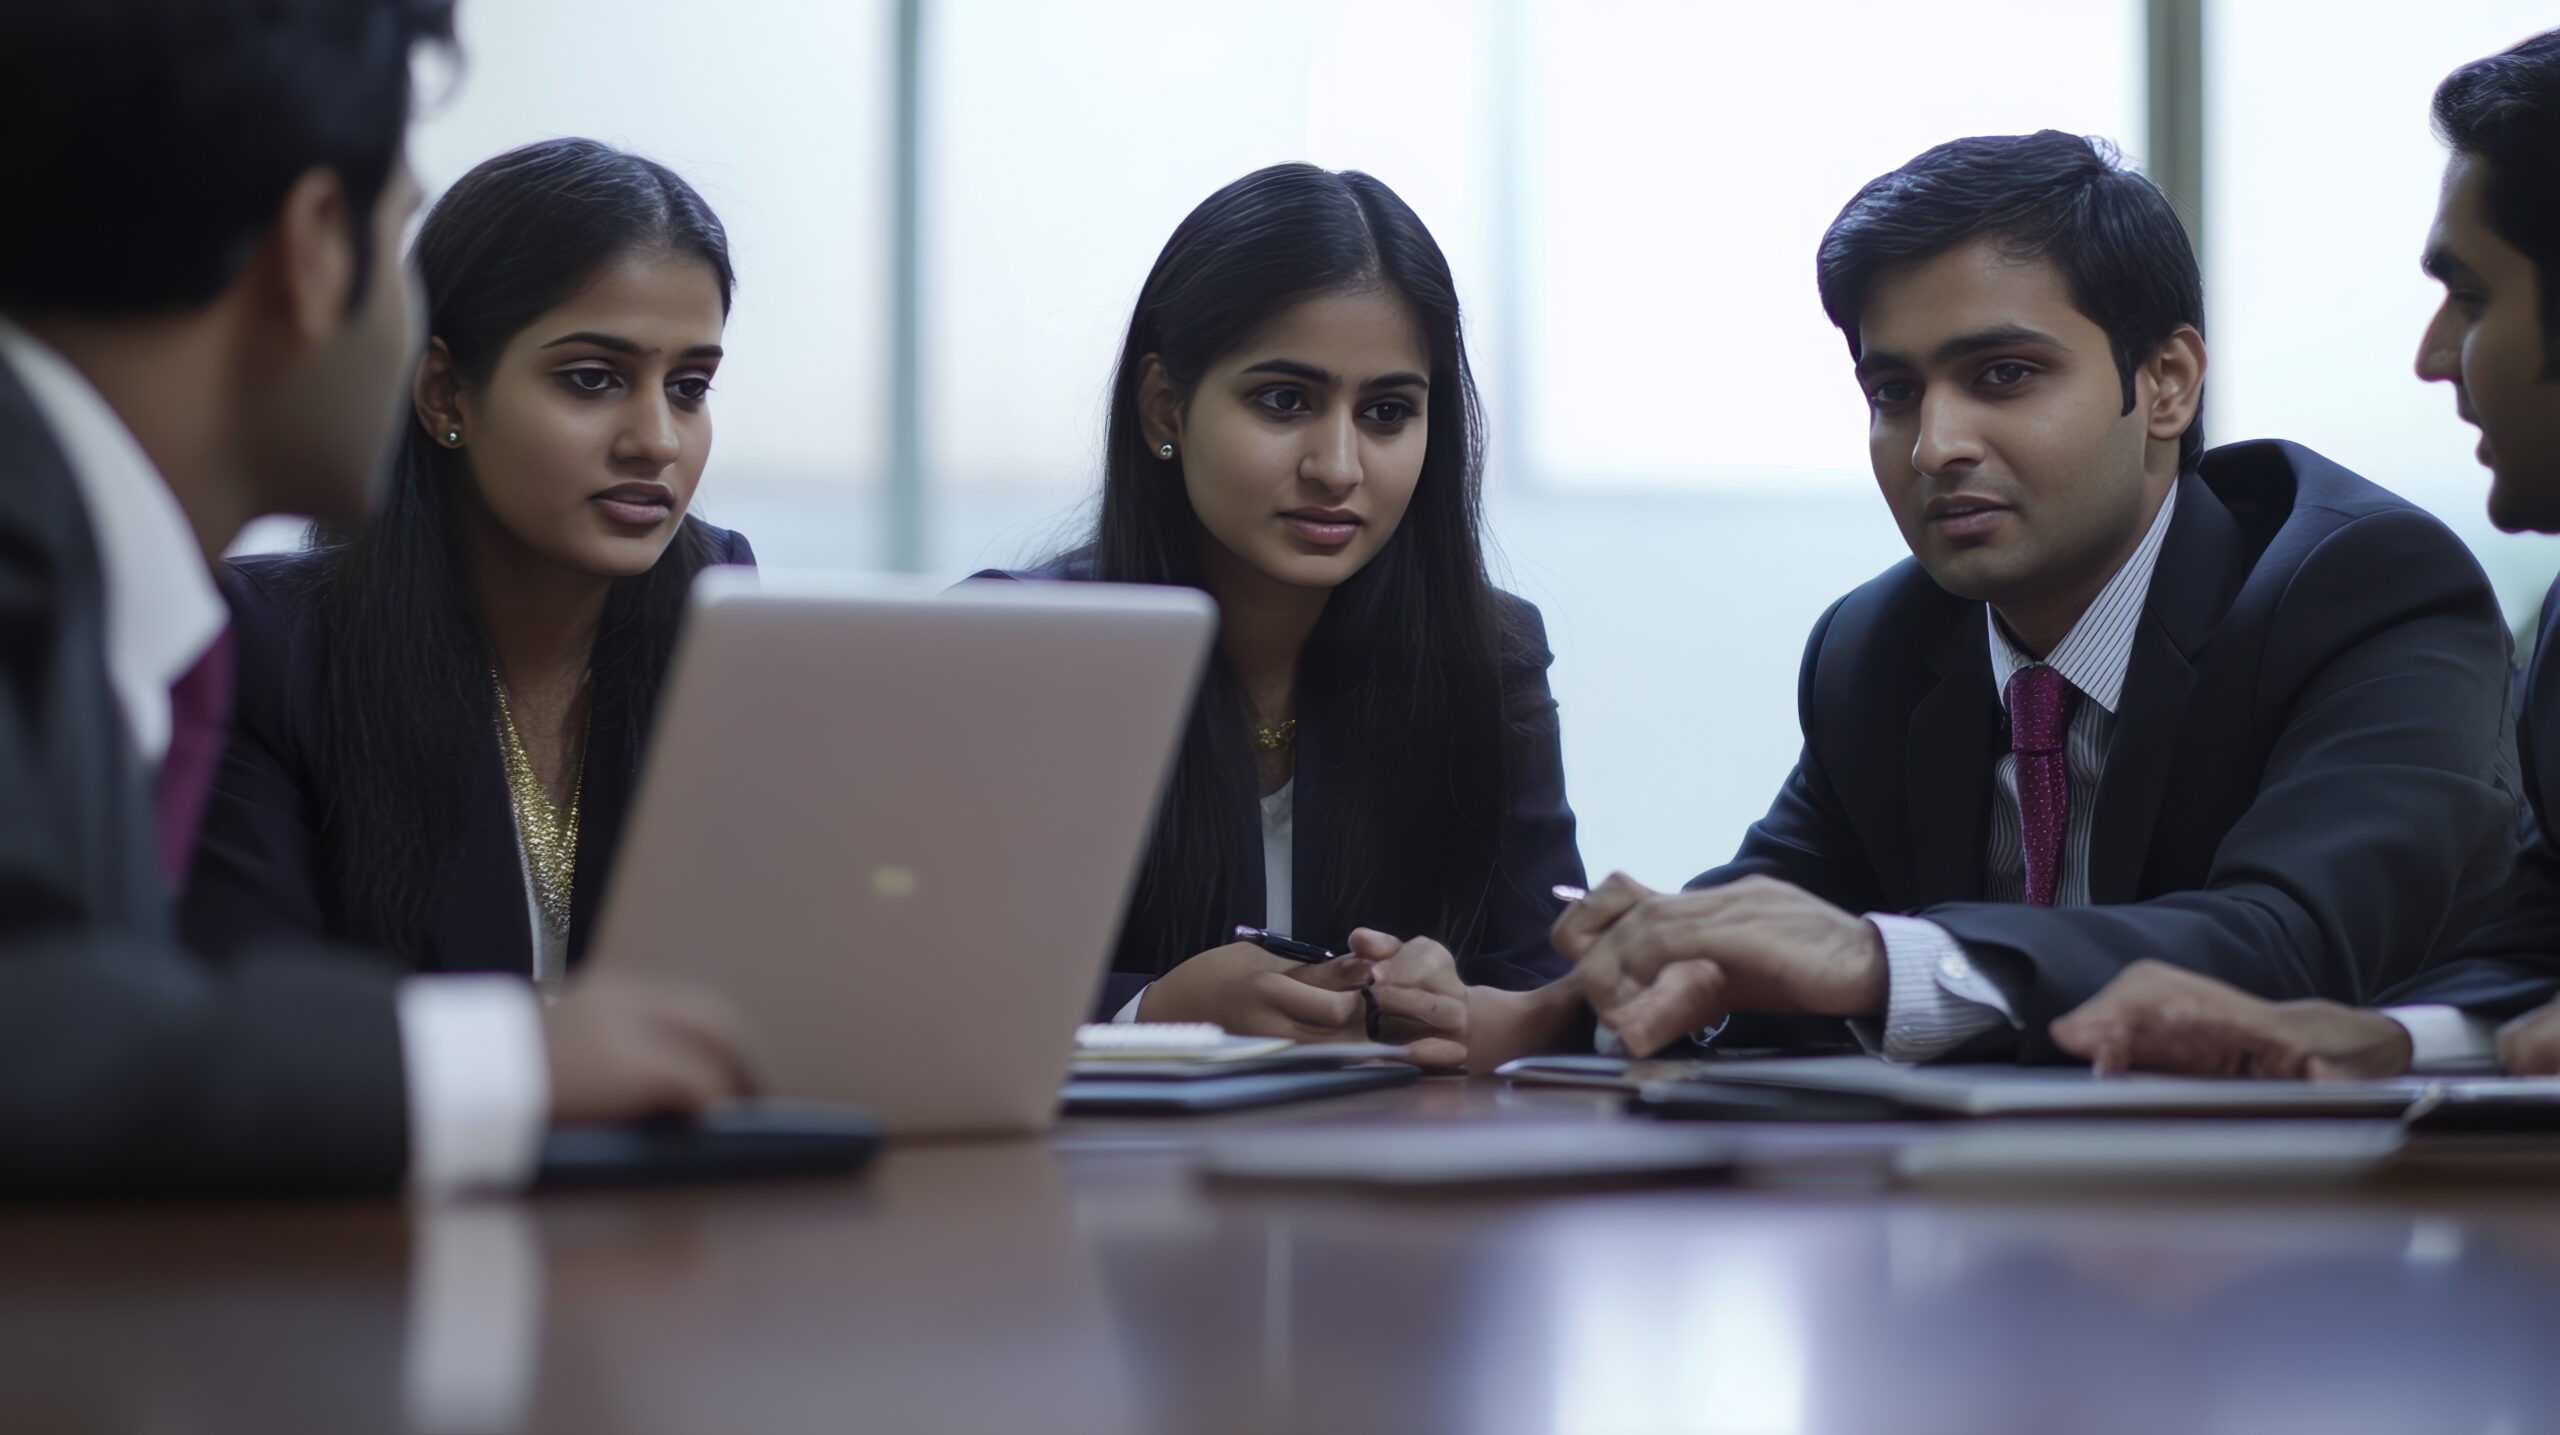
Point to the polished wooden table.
(1091, 1282)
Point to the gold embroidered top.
(548, 831)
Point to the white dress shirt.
(471, 1047)
(1938, 998)
(1279, 873)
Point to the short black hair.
(151, 142)
(2060, 197)
(2505, 112)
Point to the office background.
(942, 210)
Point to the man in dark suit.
(2495, 246)
(2242, 711)
(203, 318)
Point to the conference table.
(1092, 1280)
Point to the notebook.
(2023, 1091)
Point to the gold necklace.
(1271, 737)
(548, 832)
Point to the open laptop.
(896, 828)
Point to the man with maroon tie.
(2127, 698)
(204, 318)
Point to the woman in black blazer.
(440, 715)
(1293, 429)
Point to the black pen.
(1280, 945)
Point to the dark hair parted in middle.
(2505, 111)
(406, 664)
(2062, 198)
(1405, 664)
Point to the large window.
(1064, 141)
(2322, 176)
(1629, 190)
(779, 113)
(1678, 164)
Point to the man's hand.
(623, 1048)
(2530, 1045)
(1250, 992)
(2156, 1017)
(1656, 966)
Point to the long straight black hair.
(405, 662)
(1403, 673)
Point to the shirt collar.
(163, 610)
(2093, 656)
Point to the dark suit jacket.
(2512, 963)
(1537, 845)
(126, 1065)
(2308, 791)
(263, 866)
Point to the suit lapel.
(481, 922)
(93, 806)
(2538, 714)
(1306, 782)
(2201, 561)
(605, 784)
(1947, 760)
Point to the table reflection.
(1005, 1286)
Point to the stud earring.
(453, 438)
(1164, 450)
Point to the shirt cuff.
(479, 1084)
(1936, 998)
(2446, 1039)
(1127, 1014)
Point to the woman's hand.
(1250, 992)
(1422, 1002)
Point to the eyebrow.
(1999, 336)
(1292, 368)
(620, 345)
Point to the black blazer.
(2512, 964)
(126, 1065)
(2309, 790)
(263, 867)
(1537, 850)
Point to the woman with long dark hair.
(1373, 762)
(441, 714)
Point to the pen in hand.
(1280, 945)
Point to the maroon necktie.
(199, 723)
(2039, 717)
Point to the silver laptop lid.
(898, 827)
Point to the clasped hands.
(1654, 966)
(1421, 1002)
(1658, 966)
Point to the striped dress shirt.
(1938, 999)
